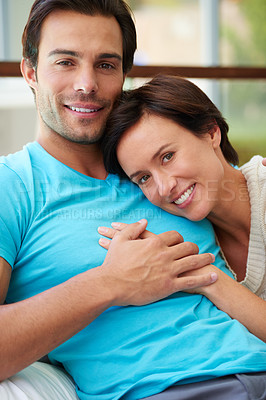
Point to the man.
(62, 298)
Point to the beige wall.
(17, 127)
(18, 122)
(18, 117)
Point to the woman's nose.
(166, 185)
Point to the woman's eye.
(143, 179)
(167, 157)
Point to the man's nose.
(86, 81)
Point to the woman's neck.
(231, 213)
(231, 219)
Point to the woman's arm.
(236, 300)
(227, 294)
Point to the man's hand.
(143, 271)
(204, 290)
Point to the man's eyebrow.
(63, 51)
(73, 53)
(110, 55)
(153, 157)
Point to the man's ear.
(215, 135)
(29, 74)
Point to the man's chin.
(83, 139)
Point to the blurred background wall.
(170, 32)
(18, 122)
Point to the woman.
(170, 139)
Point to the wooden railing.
(201, 72)
(12, 69)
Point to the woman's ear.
(29, 73)
(215, 136)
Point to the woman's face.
(175, 169)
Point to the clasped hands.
(143, 267)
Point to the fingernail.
(103, 241)
(141, 221)
(115, 224)
(212, 256)
(102, 229)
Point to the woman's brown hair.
(170, 97)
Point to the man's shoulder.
(17, 166)
(18, 160)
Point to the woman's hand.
(110, 233)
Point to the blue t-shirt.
(49, 215)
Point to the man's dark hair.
(170, 97)
(116, 8)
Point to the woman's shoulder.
(254, 171)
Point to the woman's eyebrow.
(135, 174)
(164, 146)
(156, 154)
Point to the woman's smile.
(186, 197)
(176, 170)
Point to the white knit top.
(255, 174)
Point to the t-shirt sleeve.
(14, 213)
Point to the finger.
(107, 232)
(193, 262)
(184, 249)
(105, 243)
(171, 238)
(264, 162)
(194, 282)
(132, 231)
(119, 226)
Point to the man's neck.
(86, 159)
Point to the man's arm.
(135, 272)
(5, 273)
(33, 327)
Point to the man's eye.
(167, 157)
(106, 66)
(143, 179)
(65, 63)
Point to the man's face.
(79, 74)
